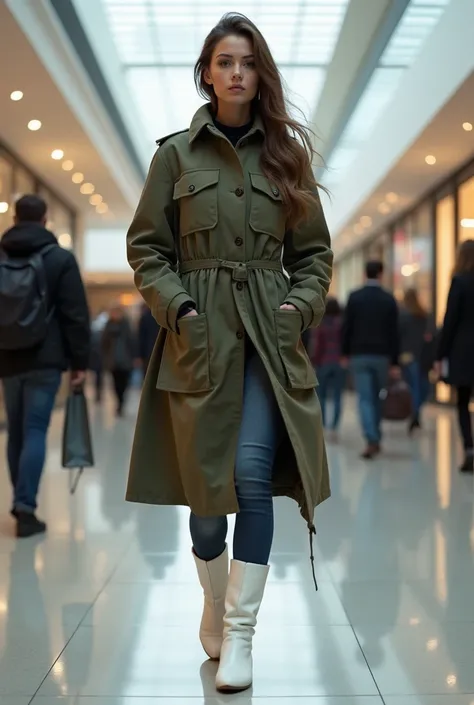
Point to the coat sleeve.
(307, 257)
(450, 324)
(347, 327)
(71, 304)
(151, 248)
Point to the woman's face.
(232, 72)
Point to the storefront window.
(381, 249)
(466, 210)
(413, 256)
(445, 258)
(5, 194)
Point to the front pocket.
(267, 212)
(196, 193)
(185, 365)
(297, 365)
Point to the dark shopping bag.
(77, 443)
(396, 401)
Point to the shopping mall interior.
(105, 607)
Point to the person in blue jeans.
(370, 345)
(325, 352)
(32, 375)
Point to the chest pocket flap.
(196, 194)
(193, 182)
(267, 213)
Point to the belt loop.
(240, 272)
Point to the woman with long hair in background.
(326, 355)
(456, 345)
(416, 334)
(232, 254)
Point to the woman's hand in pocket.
(193, 312)
(288, 307)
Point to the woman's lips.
(236, 89)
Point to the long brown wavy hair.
(288, 153)
(465, 258)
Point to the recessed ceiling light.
(467, 223)
(366, 221)
(384, 208)
(391, 197)
(102, 208)
(65, 240)
(78, 178)
(57, 154)
(430, 159)
(68, 165)
(3, 207)
(34, 125)
(87, 188)
(95, 199)
(467, 126)
(16, 95)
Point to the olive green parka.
(210, 229)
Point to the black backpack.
(24, 316)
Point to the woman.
(118, 352)
(456, 344)
(326, 357)
(229, 415)
(416, 335)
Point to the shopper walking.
(370, 342)
(456, 345)
(96, 363)
(326, 347)
(229, 415)
(416, 335)
(44, 330)
(118, 347)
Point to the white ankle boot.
(213, 576)
(242, 602)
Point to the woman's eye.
(250, 65)
(224, 64)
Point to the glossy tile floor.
(105, 610)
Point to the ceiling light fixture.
(34, 125)
(16, 95)
(430, 159)
(65, 240)
(78, 177)
(57, 154)
(87, 188)
(68, 165)
(102, 208)
(467, 223)
(95, 199)
(391, 197)
(467, 126)
(366, 221)
(3, 207)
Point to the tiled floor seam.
(99, 593)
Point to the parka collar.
(203, 119)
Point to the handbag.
(396, 401)
(77, 452)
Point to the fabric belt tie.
(240, 270)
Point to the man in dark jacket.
(32, 376)
(370, 341)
